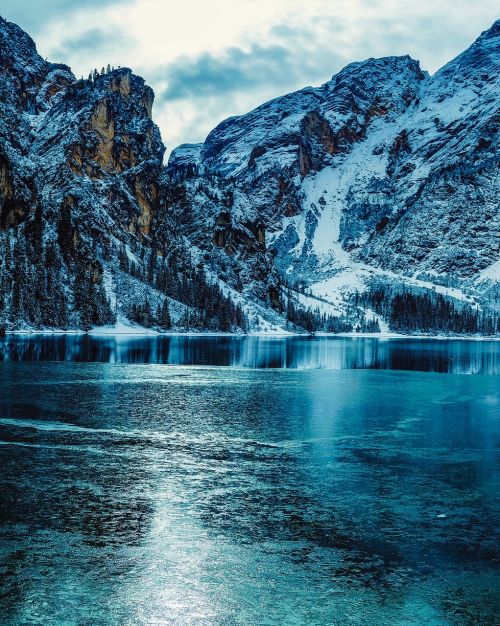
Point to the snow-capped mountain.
(336, 199)
(384, 171)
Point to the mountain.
(383, 173)
(84, 238)
(371, 200)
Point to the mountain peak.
(493, 31)
(389, 82)
(23, 71)
(16, 48)
(482, 56)
(375, 66)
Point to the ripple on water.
(247, 496)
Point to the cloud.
(202, 90)
(32, 15)
(105, 40)
(238, 69)
(207, 60)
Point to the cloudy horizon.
(210, 60)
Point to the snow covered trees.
(432, 313)
(205, 305)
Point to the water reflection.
(452, 356)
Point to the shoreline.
(142, 333)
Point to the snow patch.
(490, 274)
(122, 327)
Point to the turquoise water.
(149, 494)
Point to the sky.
(209, 59)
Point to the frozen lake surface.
(300, 481)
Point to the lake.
(220, 481)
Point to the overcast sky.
(209, 59)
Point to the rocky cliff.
(84, 237)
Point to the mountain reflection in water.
(445, 355)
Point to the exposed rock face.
(74, 133)
(444, 164)
(80, 164)
(23, 71)
(383, 171)
(262, 160)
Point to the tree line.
(427, 312)
(35, 288)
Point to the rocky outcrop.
(80, 165)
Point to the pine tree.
(164, 319)
(147, 315)
(65, 229)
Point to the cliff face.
(446, 219)
(382, 173)
(98, 145)
(80, 197)
(91, 140)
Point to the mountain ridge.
(279, 220)
(344, 133)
